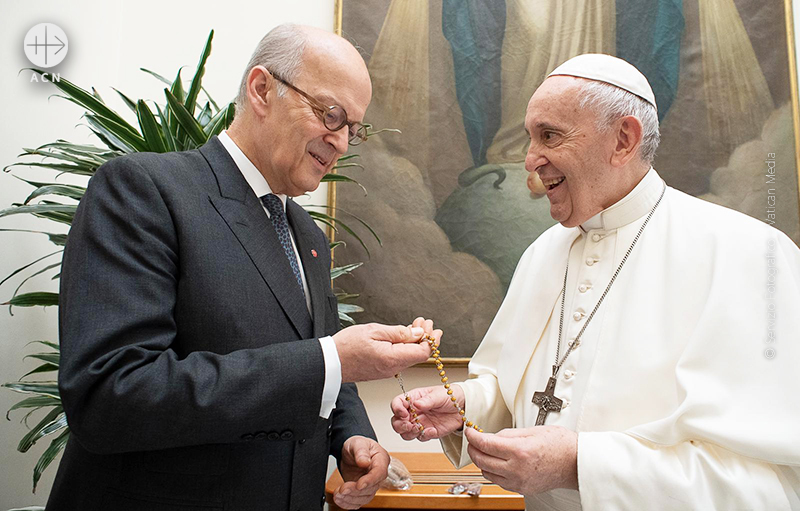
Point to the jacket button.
(273, 435)
(302, 441)
(323, 501)
(287, 435)
(261, 435)
(247, 437)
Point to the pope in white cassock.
(647, 354)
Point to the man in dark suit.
(203, 365)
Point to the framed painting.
(448, 194)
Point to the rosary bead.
(463, 419)
(450, 392)
(444, 379)
(453, 398)
(461, 412)
(441, 373)
(447, 385)
(469, 424)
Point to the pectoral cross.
(546, 401)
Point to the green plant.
(182, 122)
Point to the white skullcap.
(608, 69)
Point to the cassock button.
(273, 435)
(568, 374)
(287, 435)
(583, 288)
(566, 403)
(589, 261)
(596, 237)
(577, 316)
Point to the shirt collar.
(633, 206)
(251, 174)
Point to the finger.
(406, 355)
(490, 444)
(399, 406)
(398, 333)
(499, 480)
(519, 432)
(486, 461)
(437, 335)
(420, 321)
(377, 471)
(428, 326)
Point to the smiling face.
(572, 158)
(290, 145)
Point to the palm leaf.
(44, 368)
(41, 388)
(57, 239)
(86, 100)
(184, 118)
(38, 209)
(23, 268)
(129, 136)
(56, 446)
(197, 81)
(48, 424)
(34, 402)
(344, 270)
(37, 299)
(150, 128)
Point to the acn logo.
(46, 45)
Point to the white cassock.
(672, 390)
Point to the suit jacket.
(191, 371)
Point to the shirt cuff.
(333, 376)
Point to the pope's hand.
(375, 351)
(435, 412)
(527, 461)
(364, 466)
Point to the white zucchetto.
(608, 69)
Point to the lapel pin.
(313, 252)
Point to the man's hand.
(375, 351)
(435, 412)
(527, 461)
(364, 466)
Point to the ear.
(628, 138)
(261, 90)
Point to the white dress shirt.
(259, 185)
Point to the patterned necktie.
(278, 216)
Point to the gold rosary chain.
(436, 354)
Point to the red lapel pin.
(313, 252)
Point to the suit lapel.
(244, 215)
(317, 272)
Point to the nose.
(339, 139)
(534, 158)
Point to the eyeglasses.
(333, 117)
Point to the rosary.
(546, 400)
(435, 353)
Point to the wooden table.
(433, 475)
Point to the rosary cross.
(547, 401)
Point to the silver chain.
(557, 366)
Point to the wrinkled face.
(571, 157)
(297, 148)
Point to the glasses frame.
(320, 108)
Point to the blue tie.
(275, 207)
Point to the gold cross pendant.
(546, 401)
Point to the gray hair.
(281, 52)
(611, 103)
